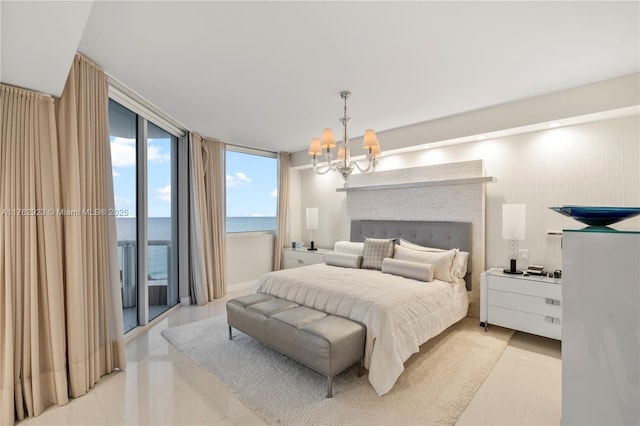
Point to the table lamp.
(513, 229)
(312, 223)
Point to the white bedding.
(400, 313)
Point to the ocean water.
(159, 231)
(251, 224)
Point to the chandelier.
(343, 163)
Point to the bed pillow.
(375, 250)
(460, 264)
(442, 261)
(460, 261)
(407, 269)
(348, 247)
(345, 260)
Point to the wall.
(572, 106)
(595, 163)
(249, 256)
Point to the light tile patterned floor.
(524, 387)
(162, 386)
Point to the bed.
(399, 313)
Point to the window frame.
(259, 153)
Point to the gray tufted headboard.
(443, 235)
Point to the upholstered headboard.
(443, 235)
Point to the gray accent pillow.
(345, 260)
(442, 261)
(375, 250)
(407, 269)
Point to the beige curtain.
(32, 325)
(207, 219)
(60, 304)
(282, 235)
(95, 337)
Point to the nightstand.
(293, 258)
(528, 303)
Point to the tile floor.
(524, 387)
(162, 386)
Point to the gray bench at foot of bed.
(326, 343)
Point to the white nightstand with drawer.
(532, 304)
(293, 258)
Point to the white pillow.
(345, 260)
(460, 264)
(441, 260)
(348, 247)
(404, 268)
(460, 261)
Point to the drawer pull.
(552, 302)
(553, 320)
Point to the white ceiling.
(267, 74)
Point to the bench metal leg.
(360, 367)
(329, 387)
(230, 336)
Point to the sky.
(252, 187)
(123, 160)
(251, 180)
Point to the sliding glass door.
(144, 171)
(123, 131)
(161, 223)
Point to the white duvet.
(400, 313)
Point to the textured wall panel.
(458, 203)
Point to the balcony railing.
(128, 273)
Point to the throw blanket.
(400, 313)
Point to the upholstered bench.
(326, 343)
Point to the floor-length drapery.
(60, 302)
(207, 219)
(32, 326)
(281, 238)
(95, 337)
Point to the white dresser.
(293, 258)
(601, 330)
(532, 304)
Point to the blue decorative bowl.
(598, 216)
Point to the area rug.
(435, 388)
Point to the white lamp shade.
(369, 140)
(328, 140)
(376, 149)
(314, 147)
(513, 221)
(312, 218)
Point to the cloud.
(155, 155)
(274, 193)
(164, 193)
(123, 152)
(238, 179)
(115, 174)
(257, 215)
